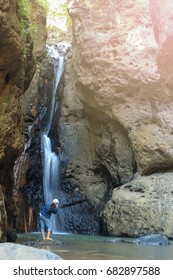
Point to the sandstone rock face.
(126, 56)
(28, 172)
(115, 128)
(116, 121)
(162, 20)
(13, 71)
(28, 189)
(17, 67)
(37, 18)
(3, 217)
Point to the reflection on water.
(87, 247)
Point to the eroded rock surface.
(116, 123)
(17, 67)
(142, 206)
(115, 126)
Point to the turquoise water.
(87, 247)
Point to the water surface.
(88, 247)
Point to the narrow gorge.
(112, 128)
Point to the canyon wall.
(17, 67)
(27, 190)
(116, 121)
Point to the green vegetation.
(28, 29)
(61, 12)
(23, 16)
(23, 11)
(57, 18)
(45, 4)
(57, 14)
(26, 51)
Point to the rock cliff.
(116, 123)
(17, 67)
(28, 172)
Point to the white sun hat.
(55, 201)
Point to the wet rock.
(11, 236)
(40, 243)
(153, 239)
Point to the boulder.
(12, 251)
(153, 239)
(143, 206)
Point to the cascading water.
(51, 161)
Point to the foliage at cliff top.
(57, 13)
(23, 8)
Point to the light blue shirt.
(48, 210)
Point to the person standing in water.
(45, 215)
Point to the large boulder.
(150, 240)
(12, 251)
(153, 240)
(142, 206)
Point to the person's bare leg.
(48, 236)
(43, 235)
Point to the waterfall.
(51, 161)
